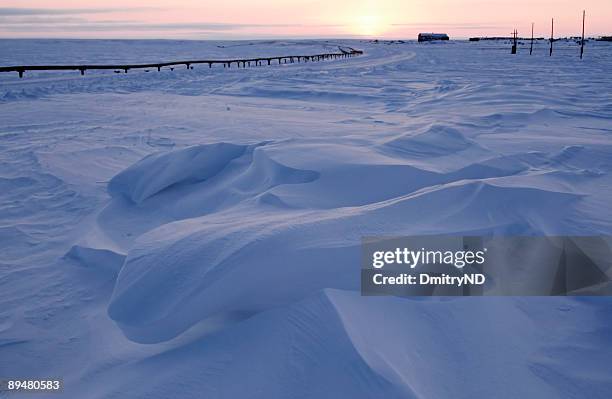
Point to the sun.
(369, 25)
(369, 18)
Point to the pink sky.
(242, 19)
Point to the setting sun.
(368, 18)
(369, 25)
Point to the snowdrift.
(269, 224)
(336, 344)
(159, 171)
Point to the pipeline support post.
(582, 41)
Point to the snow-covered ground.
(196, 233)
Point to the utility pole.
(552, 29)
(582, 42)
(531, 48)
(514, 34)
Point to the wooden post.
(582, 42)
(552, 30)
(514, 34)
(531, 48)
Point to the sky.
(259, 19)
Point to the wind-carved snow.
(308, 237)
(217, 216)
(160, 171)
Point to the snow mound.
(335, 343)
(436, 141)
(241, 259)
(302, 343)
(205, 174)
(157, 172)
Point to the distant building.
(429, 37)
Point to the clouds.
(122, 22)
(454, 26)
(20, 12)
(18, 19)
(78, 24)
